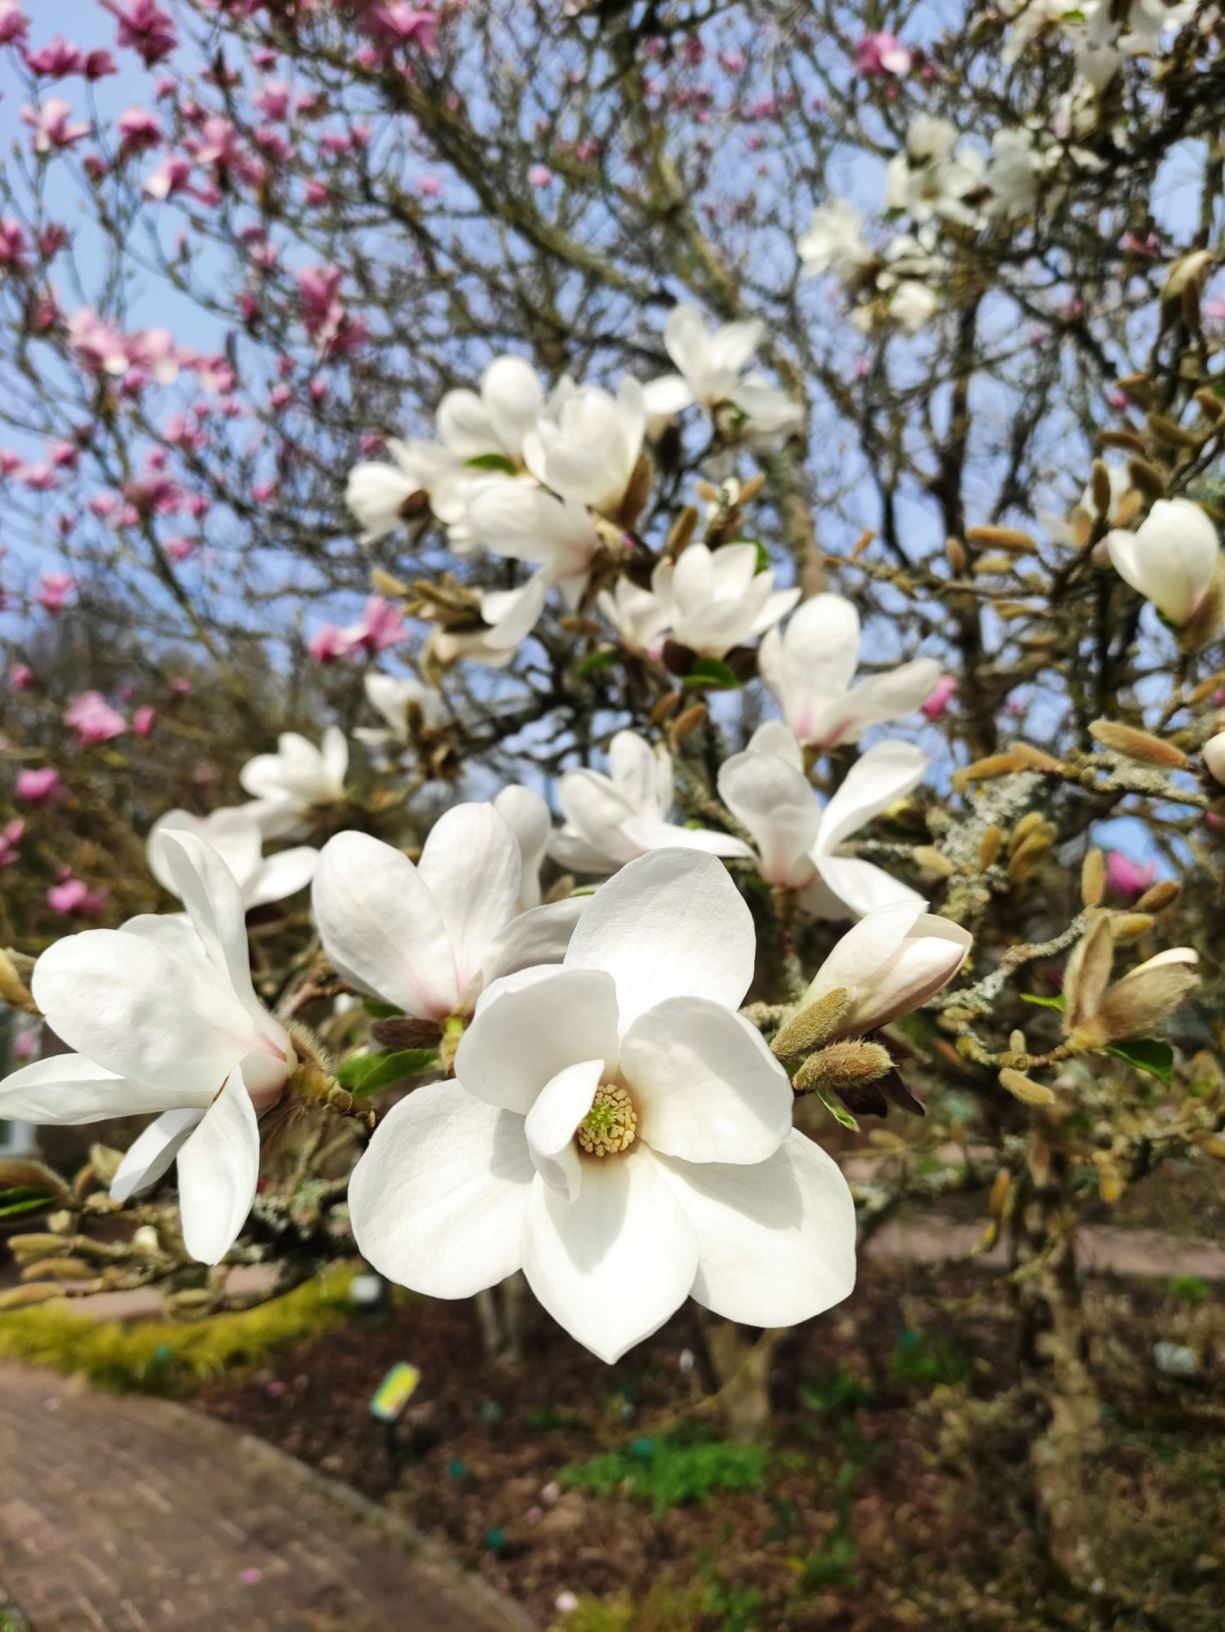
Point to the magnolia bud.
(1025, 1088)
(813, 1025)
(842, 1065)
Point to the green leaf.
(24, 1198)
(838, 1111)
(380, 1011)
(595, 661)
(710, 672)
(1059, 1003)
(365, 1073)
(1148, 1054)
(491, 461)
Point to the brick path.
(127, 1514)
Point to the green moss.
(663, 1609)
(163, 1357)
(668, 1473)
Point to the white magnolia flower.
(912, 305)
(235, 834)
(809, 667)
(497, 419)
(798, 839)
(932, 176)
(711, 365)
(638, 616)
(891, 962)
(381, 495)
(619, 1133)
(430, 937)
(398, 698)
(1171, 558)
(835, 241)
(717, 599)
(1214, 755)
(527, 815)
(522, 522)
(586, 447)
(509, 616)
(164, 1018)
(1017, 168)
(609, 820)
(288, 785)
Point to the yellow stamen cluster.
(610, 1125)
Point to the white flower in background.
(398, 698)
(912, 305)
(798, 840)
(430, 937)
(1017, 168)
(164, 1018)
(235, 834)
(717, 599)
(521, 522)
(609, 820)
(890, 963)
(381, 495)
(1171, 558)
(586, 446)
(298, 778)
(933, 176)
(509, 616)
(711, 365)
(1214, 755)
(835, 242)
(809, 667)
(527, 814)
(637, 615)
(497, 419)
(619, 1133)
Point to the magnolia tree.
(716, 507)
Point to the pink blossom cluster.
(380, 626)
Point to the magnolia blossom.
(619, 1133)
(835, 242)
(498, 418)
(527, 815)
(93, 719)
(1171, 558)
(638, 616)
(798, 839)
(165, 1018)
(381, 495)
(235, 834)
(399, 699)
(509, 616)
(1214, 755)
(879, 55)
(430, 937)
(609, 820)
(1018, 165)
(809, 667)
(717, 599)
(711, 367)
(287, 785)
(558, 535)
(587, 446)
(933, 176)
(890, 963)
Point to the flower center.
(610, 1125)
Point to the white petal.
(139, 1008)
(540, 935)
(527, 815)
(774, 801)
(550, 1125)
(888, 696)
(666, 395)
(612, 1265)
(776, 1241)
(858, 886)
(704, 1084)
(218, 1173)
(153, 1152)
(380, 927)
(437, 1201)
(67, 1089)
(282, 875)
(513, 399)
(671, 924)
(879, 779)
(642, 775)
(891, 962)
(525, 1033)
(472, 868)
(645, 834)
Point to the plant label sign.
(394, 1392)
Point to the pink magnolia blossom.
(1129, 878)
(171, 176)
(12, 245)
(380, 626)
(21, 677)
(272, 99)
(55, 60)
(144, 720)
(55, 590)
(397, 22)
(72, 898)
(39, 787)
(14, 24)
(98, 64)
(879, 55)
(144, 28)
(93, 719)
(180, 548)
(937, 704)
(540, 175)
(328, 644)
(139, 129)
(11, 836)
(51, 125)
